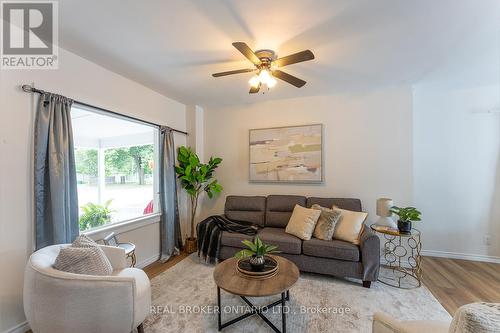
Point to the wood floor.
(157, 268)
(453, 282)
(457, 282)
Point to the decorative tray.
(270, 268)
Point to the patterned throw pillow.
(326, 223)
(84, 241)
(84, 256)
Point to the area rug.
(184, 299)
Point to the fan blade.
(247, 52)
(294, 58)
(289, 78)
(254, 90)
(238, 71)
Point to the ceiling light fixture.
(264, 77)
(267, 65)
(254, 81)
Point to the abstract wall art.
(291, 154)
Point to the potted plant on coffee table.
(196, 177)
(406, 216)
(256, 251)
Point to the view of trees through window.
(115, 167)
(128, 176)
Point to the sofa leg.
(367, 284)
(140, 328)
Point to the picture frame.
(286, 154)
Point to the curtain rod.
(30, 89)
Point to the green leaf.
(244, 254)
(270, 248)
(194, 161)
(179, 170)
(258, 242)
(250, 245)
(203, 169)
(183, 151)
(192, 192)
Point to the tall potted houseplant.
(406, 216)
(196, 177)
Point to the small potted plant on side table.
(256, 251)
(406, 216)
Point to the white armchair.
(469, 318)
(60, 302)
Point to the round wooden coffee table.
(229, 279)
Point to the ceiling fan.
(266, 65)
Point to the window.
(115, 165)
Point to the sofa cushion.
(279, 209)
(245, 208)
(344, 203)
(277, 236)
(334, 249)
(234, 239)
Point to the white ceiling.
(174, 46)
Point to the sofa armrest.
(369, 244)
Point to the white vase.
(386, 222)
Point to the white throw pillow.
(302, 222)
(349, 226)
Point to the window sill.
(121, 227)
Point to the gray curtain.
(170, 227)
(56, 202)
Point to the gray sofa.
(337, 258)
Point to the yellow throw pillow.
(349, 226)
(302, 222)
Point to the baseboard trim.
(464, 256)
(148, 261)
(20, 328)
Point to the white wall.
(457, 169)
(84, 81)
(367, 145)
(457, 150)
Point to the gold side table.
(401, 259)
